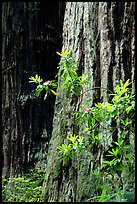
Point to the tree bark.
(102, 37)
(31, 35)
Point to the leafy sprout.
(35, 79)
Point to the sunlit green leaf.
(54, 92)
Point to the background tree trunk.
(102, 37)
(31, 35)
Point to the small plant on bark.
(67, 73)
(71, 82)
(46, 85)
(69, 150)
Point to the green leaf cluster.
(69, 150)
(48, 86)
(27, 188)
(68, 73)
(35, 79)
(119, 159)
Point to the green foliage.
(27, 188)
(108, 195)
(119, 159)
(63, 53)
(68, 74)
(121, 110)
(69, 151)
(35, 79)
(107, 184)
(47, 86)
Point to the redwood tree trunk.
(31, 35)
(102, 37)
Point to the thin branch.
(5, 70)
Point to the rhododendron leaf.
(63, 53)
(53, 92)
(45, 96)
